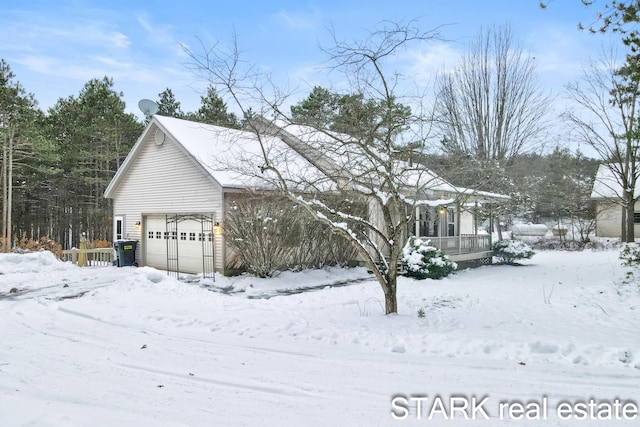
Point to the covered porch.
(464, 247)
(460, 227)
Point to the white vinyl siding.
(164, 179)
(609, 219)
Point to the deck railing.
(88, 257)
(463, 244)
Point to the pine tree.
(213, 110)
(168, 105)
(93, 135)
(18, 136)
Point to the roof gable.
(222, 153)
(236, 158)
(607, 184)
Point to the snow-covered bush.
(424, 261)
(630, 254)
(510, 251)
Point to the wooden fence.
(88, 257)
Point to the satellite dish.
(148, 107)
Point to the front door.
(118, 227)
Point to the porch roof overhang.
(463, 196)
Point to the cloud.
(162, 36)
(423, 64)
(298, 20)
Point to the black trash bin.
(125, 253)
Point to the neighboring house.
(607, 194)
(175, 186)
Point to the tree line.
(488, 120)
(57, 164)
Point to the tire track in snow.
(163, 334)
(260, 387)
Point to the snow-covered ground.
(107, 346)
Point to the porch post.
(458, 214)
(476, 244)
(475, 218)
(490, 224)
(441, 213)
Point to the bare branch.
(491, 106)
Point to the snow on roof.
(350, 157)
(234, 157)
(346, 156)
(482, 194)
(303, 155)
(607, 185)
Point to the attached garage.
(179, 242)
(171, 192)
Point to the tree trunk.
(390, 298)
(631, 232)
(391, 278)
(4, 198)
(623, 225)
(10, 191)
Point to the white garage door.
(188, 240)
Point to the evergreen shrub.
(423, 261)
(510, 251)
(630, 254)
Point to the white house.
(607, 194)
(173, 189)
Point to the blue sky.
(55, 47)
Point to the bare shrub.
(24, 245)
(270, 233)
(264, 232)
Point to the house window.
(166, 235)
(636, 217)
(426, 224)
(151, 234)
(209, 237)
(451, 222)
(174, 235)
(158, 235)
(200, 237)
(183, 236)
(192, 236)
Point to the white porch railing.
(88, 257)
(463, 244)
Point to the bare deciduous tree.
(362, 166)
(491, 106)
(607, 119)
